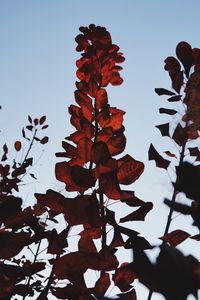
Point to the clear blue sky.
(37, 76)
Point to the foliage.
(94, 172)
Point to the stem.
(173, 200)
(46, 289)
(30, 146)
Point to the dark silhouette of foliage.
(174, 275)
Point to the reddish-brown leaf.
(86, 244)
(44, 140)
(185, 55)
(42, 120)
(100, 152)
(101, 98)
(102, 284)
(12, 243)
(139, 214)
(82, 177)
(109, 185)
(168, 153)
(84, 149)
(71, 151)
(129, 170)
(36, 121)
(130, 199)
(116, 144)
(175, 237)
(159, 160)
(124, 276)
(131, 295)
(18, 145)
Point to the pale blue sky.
(37, 76)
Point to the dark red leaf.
(82, 177)
(159, 160)
(45, 126)
(116, 144)
(139, 214)
(161, 92)
(13, 243)
(124, 276)
(86, 244)
(131, 295)
(100, 152)
(195, 237)
(164, 129)
(167, 111)
(129, 170)
(36, 121)
(42, 120)
(174, 98)
(173, 66)
(18, 145)
(130, 199)
(194, 151)
(185, 55)
(84, 149)
(101, 98)
(30, 119)
(109, 185)
(102, 284)
(5, 148)
(71, 151)
(44, 140)
(168, 153)
(175, 237)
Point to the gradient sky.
(37, 77)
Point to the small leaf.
(42, 120)
(29, 127)
(175, 237)
(45, 126)
(44, 140)
(167, 111)
(168, 153)
(30, 119)
(139, 214)
(36, 121)
(179, 135)
(185, 55)
(164, 129)
(159, 160)
(174, 98)
(161, 92)
(18, 145)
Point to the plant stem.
(173, 200)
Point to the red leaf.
(129, 170)
(124, 276)
(130, 199)
(108, 185)
(84, 149)
(159, 160)
(164, 129)
(71, 151)
(167, 111)
(131, 295)
(161, 92)
(139, 214)
(18, 145)
(173, 66)
(175, 237)
(116, 144)
(168, 153)
(185, 55)
(102, 284)
(13, 243)
(101, 98)
(100, 152)
(44, 140)
(86, 244)
(117, 240)
(82, 177)
(42, 120)
(36, 121)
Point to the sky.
(38, 74)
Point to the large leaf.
(129, 170)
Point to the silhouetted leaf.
(42, 120)
(174, 98)
(124, 276)
(139, 214)
(164, 129)
(44, 140)
(175, 237)
(167, 111)
(159, 160)
(161, 91)
(185, 55)
(102, 284)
